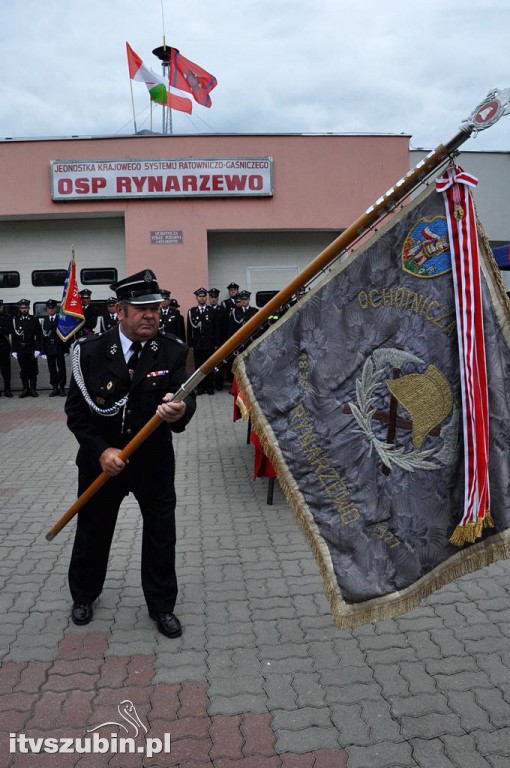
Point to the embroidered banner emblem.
(426, 396)
(426, 249)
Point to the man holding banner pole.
(120, 380)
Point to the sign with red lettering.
(170, 177)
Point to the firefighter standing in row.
(26, 347)
(5, 349)
(54, 349)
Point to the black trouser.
(94, 533)
(28, 368)
(199, 357)
(57, 369)
(5, 366)
(219, 377)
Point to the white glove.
(15, 355)
(43, 357)
(37, 353)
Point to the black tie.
(136, 346)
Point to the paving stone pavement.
(261, 677)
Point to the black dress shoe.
(54, 392)
(8, 393)
(62, 391)
(82, 613)
(33, 393)
(168, 624)
(24, 393)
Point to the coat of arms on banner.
(429, 413)
(356, 396)
(426, 249)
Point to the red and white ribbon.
(460, 214)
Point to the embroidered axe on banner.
(494, 106)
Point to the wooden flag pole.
(483, 116)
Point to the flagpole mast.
(165, 63)
(487, 113)
(163, 54)
(133, 105)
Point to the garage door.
(34, 246)
(262, 261)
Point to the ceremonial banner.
(356, 396)
(71, 316)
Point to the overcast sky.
(417, 67)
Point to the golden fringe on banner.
(479, 555)
(469, 533)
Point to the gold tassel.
(469, 533)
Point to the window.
(262, 297)
(44, 278)
(11, 309)
(98, 276)
(9, 279)
(40, 309)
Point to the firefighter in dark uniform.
(120, 380)
(202, 337)
(229, 304)
(26, 347)
(109, 318)
(221, 320)
(54, 349)
(5, 349)
(89, 312)
(181, 329)
(240, 316)
(241, 312)
(170, 319)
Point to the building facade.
(199, 210)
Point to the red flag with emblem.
(187, 76)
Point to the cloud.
(291, 66)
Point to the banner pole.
(485, 114)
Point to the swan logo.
(136, 739)
(127, 711)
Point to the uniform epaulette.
(85, 339)
(172, 337)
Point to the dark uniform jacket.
(5, 332)
(228, 305)
(220, 315)
(107, 321)
(52, 344)
(88, 327)
(238, 317)
(26, 336)
(171, 321)
(201, 329)
(161, 369)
